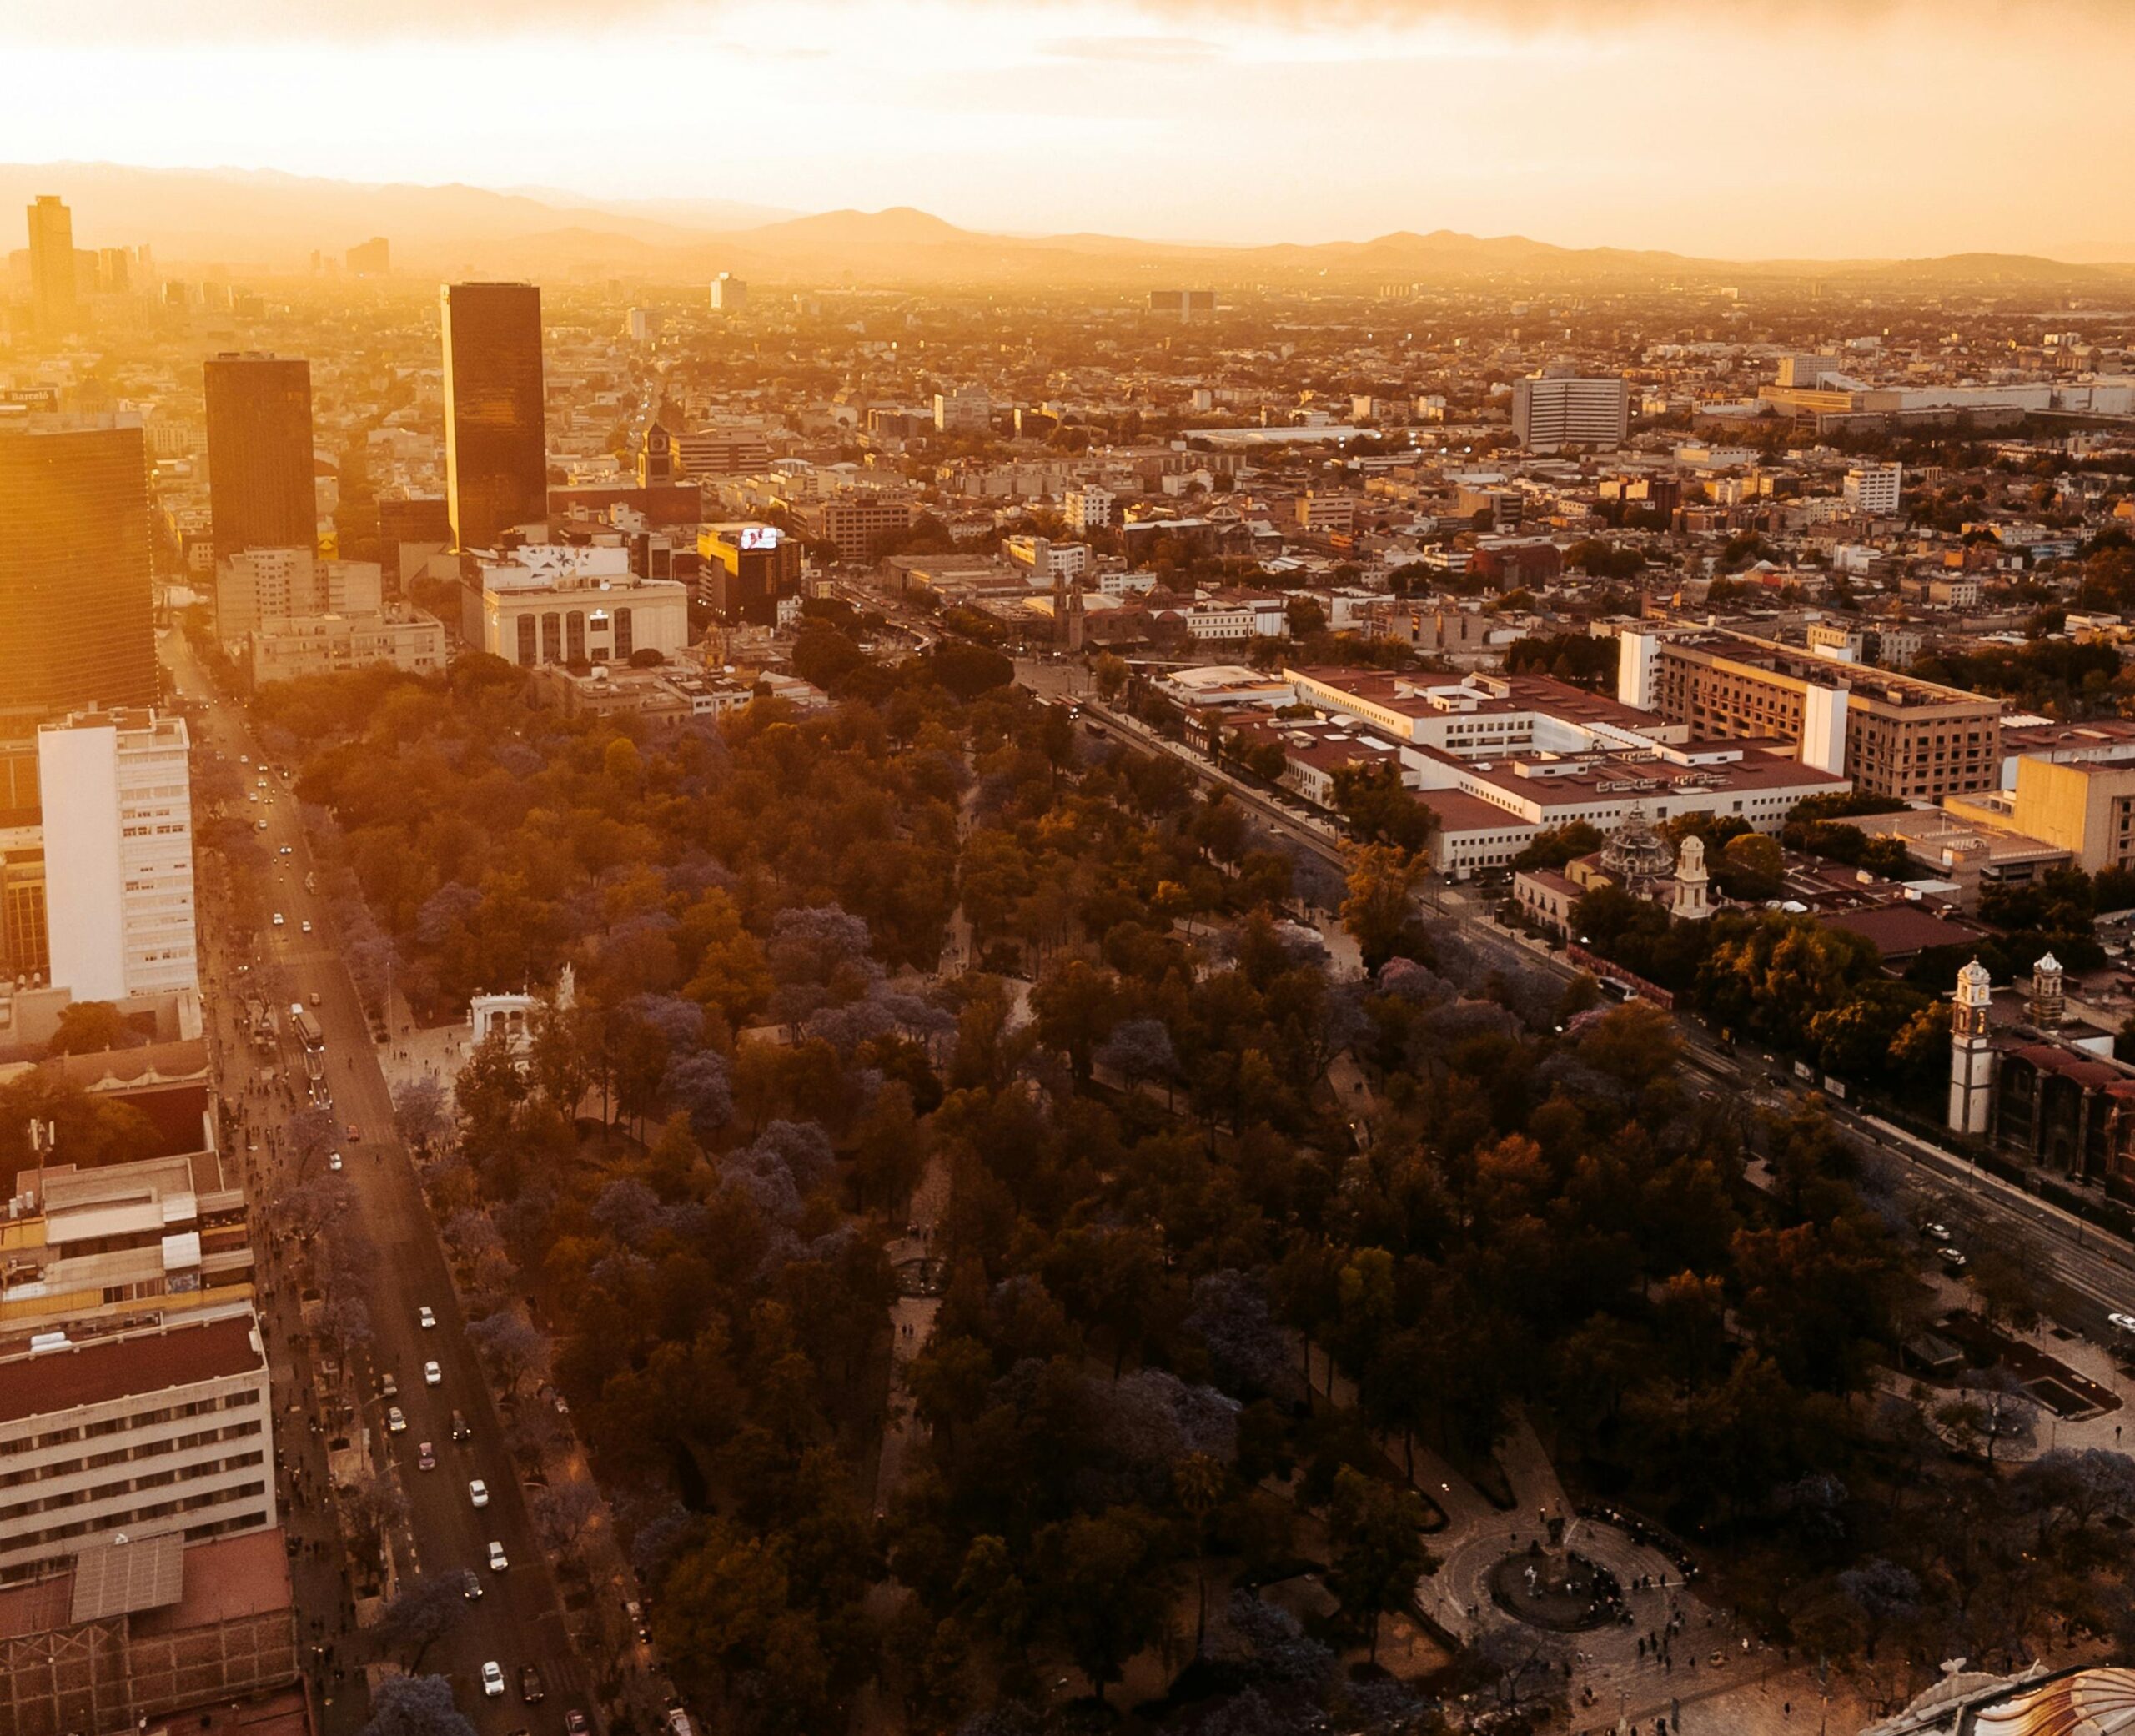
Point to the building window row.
(161, 1509)
(139, 1419)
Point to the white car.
(498, 1564)
(306, 925)
(425, 1319)
(493, 1680)
(397, 1424)
(432, 1375)
(334, 1160)
(478, 1492)
(278, 922)
(2121, 1322)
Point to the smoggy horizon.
(1743, 131)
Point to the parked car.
(1953, 1259)
(493, 1680)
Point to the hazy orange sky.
(1734, 128)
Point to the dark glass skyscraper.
(496, 464)
(260, 493)
(54, 298)
(77, 626)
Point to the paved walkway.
(911, 1324)
(1749, 1690)
(411, 1052)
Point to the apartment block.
(118, 799)
(1893, 734)
(969, 409)
(168, 1429)
(1553, 412)
(139, 1243)
(264, 586)
(1090, 508)
(397, 636)
(722, 451)
(860, 521)
(1323, 512)
(1874, 489)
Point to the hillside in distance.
(262, 220)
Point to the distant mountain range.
(264, 220)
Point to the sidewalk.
(411, 1052)
(911, 1324)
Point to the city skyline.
(1840, 138)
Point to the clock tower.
(1972, 1060)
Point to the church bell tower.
(1972, 1061)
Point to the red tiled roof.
(101, 1370)
(226, 1578)
(1902, 931)
(1458, 812)
(2071, 1064)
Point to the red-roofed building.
(168, 1429)
(202, 1638)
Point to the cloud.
(134, 21)
(256, 21)
(1594, 18)
(1143, 50)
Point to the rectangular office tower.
(260, 493)
(1551, 412)
(77, 626)
(119, 854)
(496, 462)
(53, 306)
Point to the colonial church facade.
(2065, 1106)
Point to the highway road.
(519, 1620)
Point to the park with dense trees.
(936, 938)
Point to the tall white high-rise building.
(117, 800)
(1090, 508)
(1874, 489)
(1555, 411)
(256, 586)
